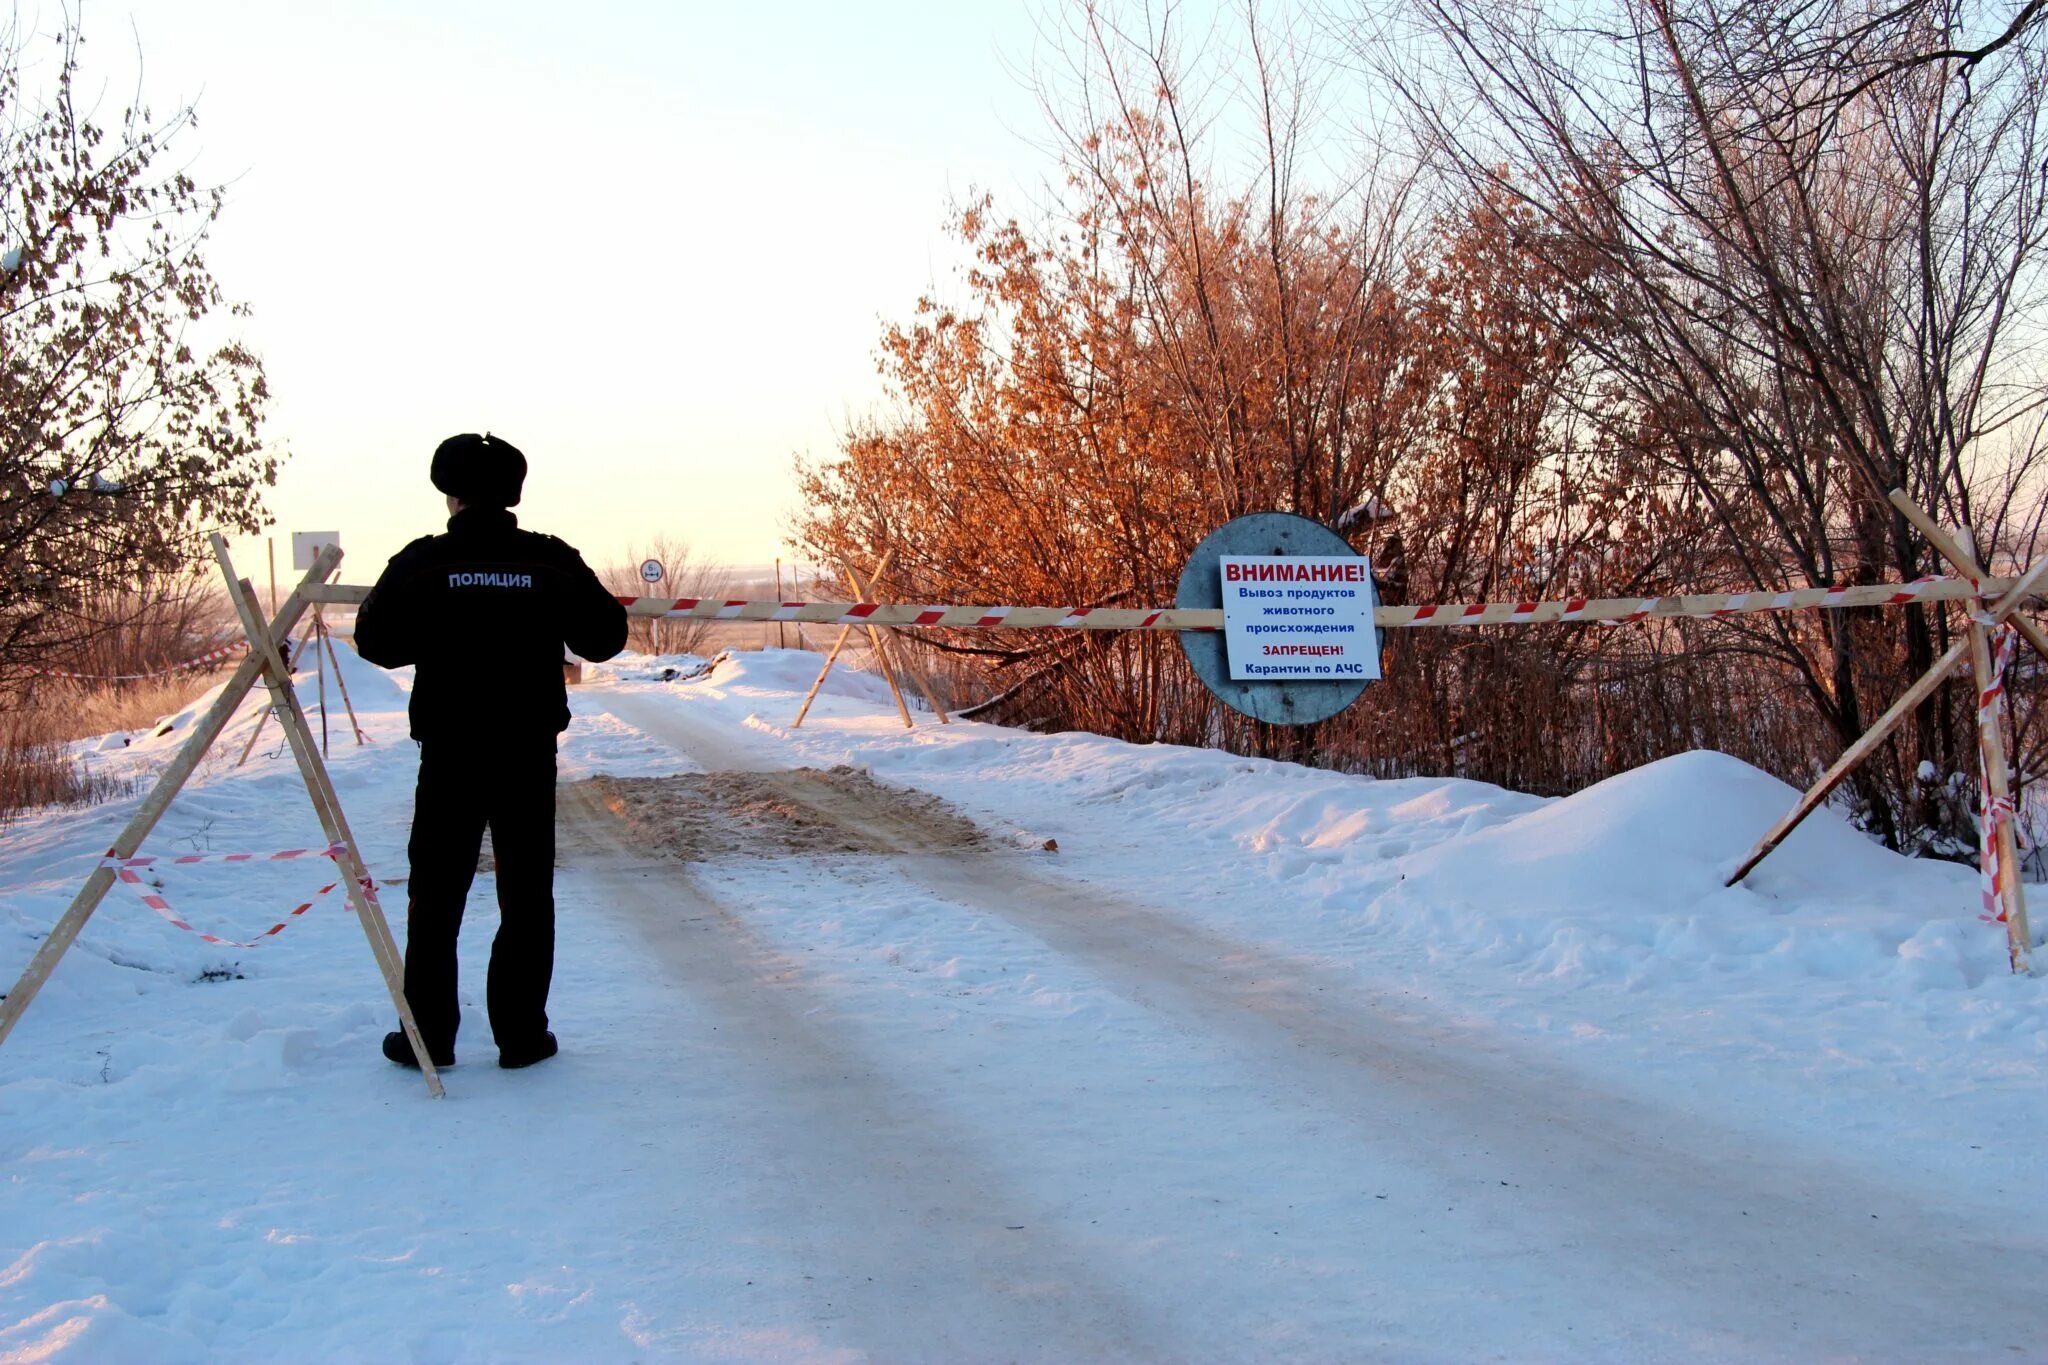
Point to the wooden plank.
(327, 639)
(327, 805)
(819, 681)
(902, 615)
(1998, 782)
(153, 806)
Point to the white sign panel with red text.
(1299, 617)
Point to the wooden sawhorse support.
(1975, 649)
(871, 590)
(265, 663)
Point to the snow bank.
(769, 672)
(1665, 834)
(1623, 883)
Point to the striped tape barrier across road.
(1611, 610)
(1616, 610)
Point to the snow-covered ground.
(1259, 1063)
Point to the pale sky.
(651, 244)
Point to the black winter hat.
(483, 469)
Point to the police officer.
(483, 612)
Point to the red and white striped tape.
(1992, 812)
(185, 859)
(1612, 610)
(125, 871)
(197, 661)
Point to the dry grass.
(37, 771)
(37, 767)
(77, 710)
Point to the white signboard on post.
(308, 544)
(1301, 616)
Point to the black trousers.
(509, 786)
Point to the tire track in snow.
(1712, 1242)
(910, 1249)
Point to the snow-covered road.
(1523, 1183)
(1261, 1063)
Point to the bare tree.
(126, 419)
(1808, 284)
(685, 574)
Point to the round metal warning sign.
(1298, 643)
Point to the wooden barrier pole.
(881, 651)
(833, 657)
(1990, 739)
(918, 676)
(327, 805)
(1998, 803)
(1884, 725)
(156, 802)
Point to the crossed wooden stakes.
(1997, 774)
(318, 637)
(266, 663)
(871, 592)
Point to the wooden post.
(320, 674)
(881, 650)
(327, 805)
(153, 806)
(1990, 739)
(1997, 779)
(781, 641)
(2019, 940)
(270, 544)
(833, 657)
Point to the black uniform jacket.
(484, 612)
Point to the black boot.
(399, 1049)
(513, 1058)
